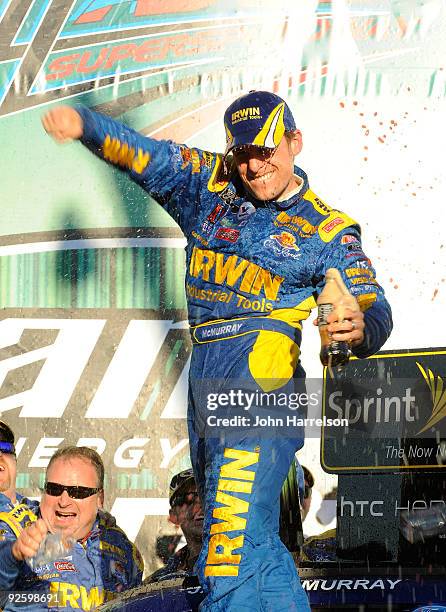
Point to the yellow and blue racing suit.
(6, 504)
(95, 570)
(253, 270)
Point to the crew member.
(185, 512)
(9, 498)
(98, 562)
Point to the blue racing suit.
(253, 270)
(99, 567)
(6, 504)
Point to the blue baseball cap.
(6, 439)
(259, 118)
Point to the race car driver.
(100, 562)
(258, 244)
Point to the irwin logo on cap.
(252, 112)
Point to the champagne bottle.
(334, 295)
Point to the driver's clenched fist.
(63, 123)
(28, 542)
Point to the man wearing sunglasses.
(99, 561)
(259, 242)
(186, 512)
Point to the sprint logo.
(438, 396)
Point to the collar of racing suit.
(93, 533)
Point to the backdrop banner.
(94, 344)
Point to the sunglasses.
(55, 489)
(244, 152)
(7, 448)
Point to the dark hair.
(6, 433)
(290, 135)
(81, 452)
(308, 477)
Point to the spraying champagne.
(334, 297)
